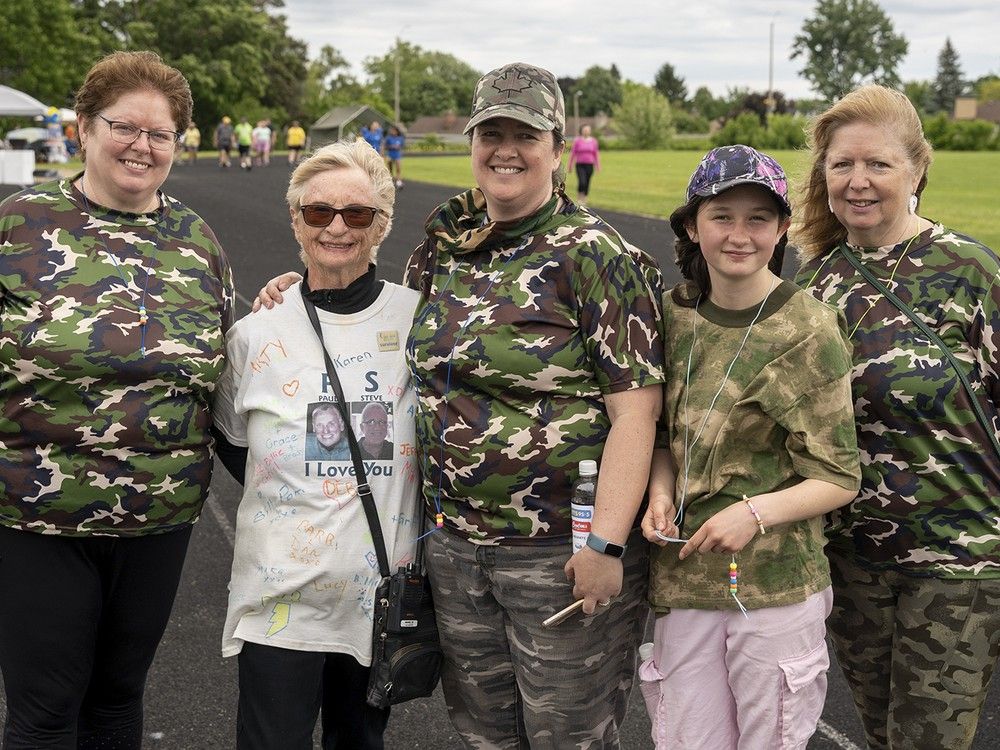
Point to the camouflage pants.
(509, 682)
(918, 653)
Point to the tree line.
(241, 60)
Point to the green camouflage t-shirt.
(930, 492)
(784, 415)
(97, 438)
(521, 331)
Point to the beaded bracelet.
(756, 515)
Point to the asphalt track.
(191, 693)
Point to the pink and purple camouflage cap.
(729, 166)
(521, 92)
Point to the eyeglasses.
(375, 421)
(356, 217)
(159, 140)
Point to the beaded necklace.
(143, 317)
(689, 446)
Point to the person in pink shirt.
(583, 154)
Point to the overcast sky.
(714, 43)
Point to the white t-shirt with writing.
(304, 567)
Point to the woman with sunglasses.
(114, 301)
(303, 581)
(537, 344)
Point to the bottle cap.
(588, 468)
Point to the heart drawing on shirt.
(291, 388)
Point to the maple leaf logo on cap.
(511, 82)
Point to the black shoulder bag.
(925, 329)
(406, 650)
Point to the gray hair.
(348, 155)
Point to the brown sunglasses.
(356, 217)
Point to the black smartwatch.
(605, 547)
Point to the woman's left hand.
(727, 531)
(598, 577)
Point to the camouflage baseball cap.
(729, 166)
(522, 92)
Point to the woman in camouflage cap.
(537, 344)
(916, 558)
(114, 299)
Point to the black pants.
(282, 692)
(583, 174)
(80, 620)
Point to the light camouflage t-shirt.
(784, 415)
(930, 491)
(521, 332)
(97, 438)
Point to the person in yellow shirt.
(295, 139)
(192, 141)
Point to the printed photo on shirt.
(326, 436)
(373, 427)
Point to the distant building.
(344, 122)
(969, 108)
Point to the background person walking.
(192, 142)
(295, 140)
(243, 133)
(395, 141)
(223, 140)
(583, 154)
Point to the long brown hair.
(817, 230)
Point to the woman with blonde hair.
(302, 629)
(915, 559)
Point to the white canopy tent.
(14, 103)
(17, 167)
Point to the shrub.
(433, 143)
(745, 128)
(936, 131)
(644, 117)
(945, 134)
(785, 133)
(972, 135)
(685, 122)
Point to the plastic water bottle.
(582, 504)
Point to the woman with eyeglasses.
(304, 575)
(114, 301)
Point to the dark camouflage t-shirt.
(97, 438)
(522, 330)
(930, 492)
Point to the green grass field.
(963, 191)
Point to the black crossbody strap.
(881, 288)
(364, 489)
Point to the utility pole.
(769, 102)
(395, 86)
